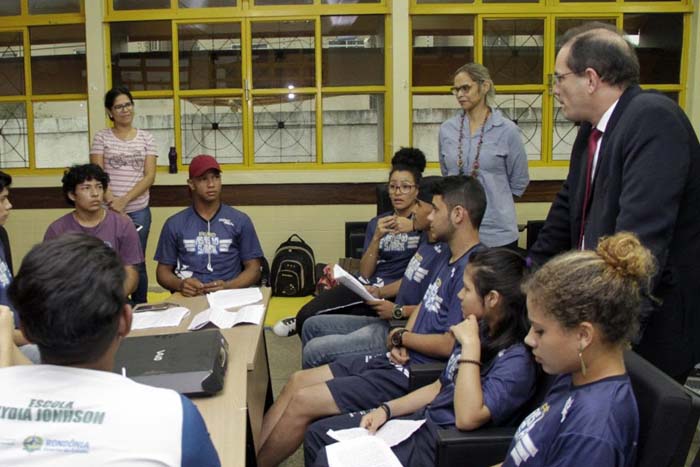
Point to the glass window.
(514, 1)
(156, 117)
(429, 111)
(443, 1)
(210, 55)
(284, 128)
(565, 132)
(11, 64)
(212, 125)
(139, 4)
(58, 59)
(10, 7)
(205, 3)
(44, 7)
(141, 55)
(353, 50)
(514, 50)
(60, 133)
(337, 2)
(441, 44)
(564, 24)
(283, 54)
(13, 135)
(525, 110)
(282, 2)
(659, 42)
(353, 128)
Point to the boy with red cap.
(209, 246)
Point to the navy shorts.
(365, 382)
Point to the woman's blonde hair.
(603, 287)
(480, 74)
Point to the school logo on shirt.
(5, 277)
(414, 272)
(398, 242)
(225, 221)
(431, 300)
(32, 443)
(524, 447)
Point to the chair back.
(668, 415)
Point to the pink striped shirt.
(124, 162)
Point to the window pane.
(210, 55)
(10, 8)
(285, 128)
(441, 44)
(283, 2)
(11, 64)
(139, 4)
(353, 128)
(564, 135)
(443, 1)
(58, 59)
(525, 110)
(353, 50)
(564, 24)
(13, 135)
(156, 117)
(283, 54)
(43, 7)
(60, 133)
(515, 1)
(205, 3)
(659, 41)
(513, 50)
(212, 125)
(141, 55)
(429, 111)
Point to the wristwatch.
(397, 337)
(397, 312)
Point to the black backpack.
(293, 269)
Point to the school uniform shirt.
(592, 424)
(507, 383)
(429, 258)
(208, 250)
(395, 251)
(115, 230)
(441, 308)
(75, 417)
(5, 280)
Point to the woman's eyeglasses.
(404, 188)
(123, 107)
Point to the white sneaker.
(285, 327)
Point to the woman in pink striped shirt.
(128, 155)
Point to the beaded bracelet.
(467, 360)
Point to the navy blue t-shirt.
(395, 251)
(5, 280)
(507, 384)
(441, 308)
(429, 258)
(208, 250)
(593, 424)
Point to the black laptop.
(191, 363)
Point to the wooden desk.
(247, 387)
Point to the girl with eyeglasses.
(128, 155)
(481, 142)
(390, 242)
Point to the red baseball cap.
(201, 164)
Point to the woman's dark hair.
(69, 293)
(502, 270)
(5, 180)
(411, 160)
(112, 95)
(79, 174)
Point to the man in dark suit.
(635, 166)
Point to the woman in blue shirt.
(583, 308)
(489, 376)
(481, 142)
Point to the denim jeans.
(141, 217)
(327, 337)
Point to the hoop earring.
(580, 357)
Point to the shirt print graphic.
(414, 272)
(431, 299)
(398, 242)
(136, 161)
(524, 447)
(5, 277)
(207, 243)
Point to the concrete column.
(401, 36)
(96, 64)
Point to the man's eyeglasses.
(404, 188)
(556, 78)
(465, 88)
(123, 107)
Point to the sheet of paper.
(349, 281)
(231, 298)
(159, 319)
(392, 432)
(367, 451)
(251, 314)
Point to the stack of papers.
(251, 314)
(159, 319)
(232, 298)
(349, 281)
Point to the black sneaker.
(285, 327)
